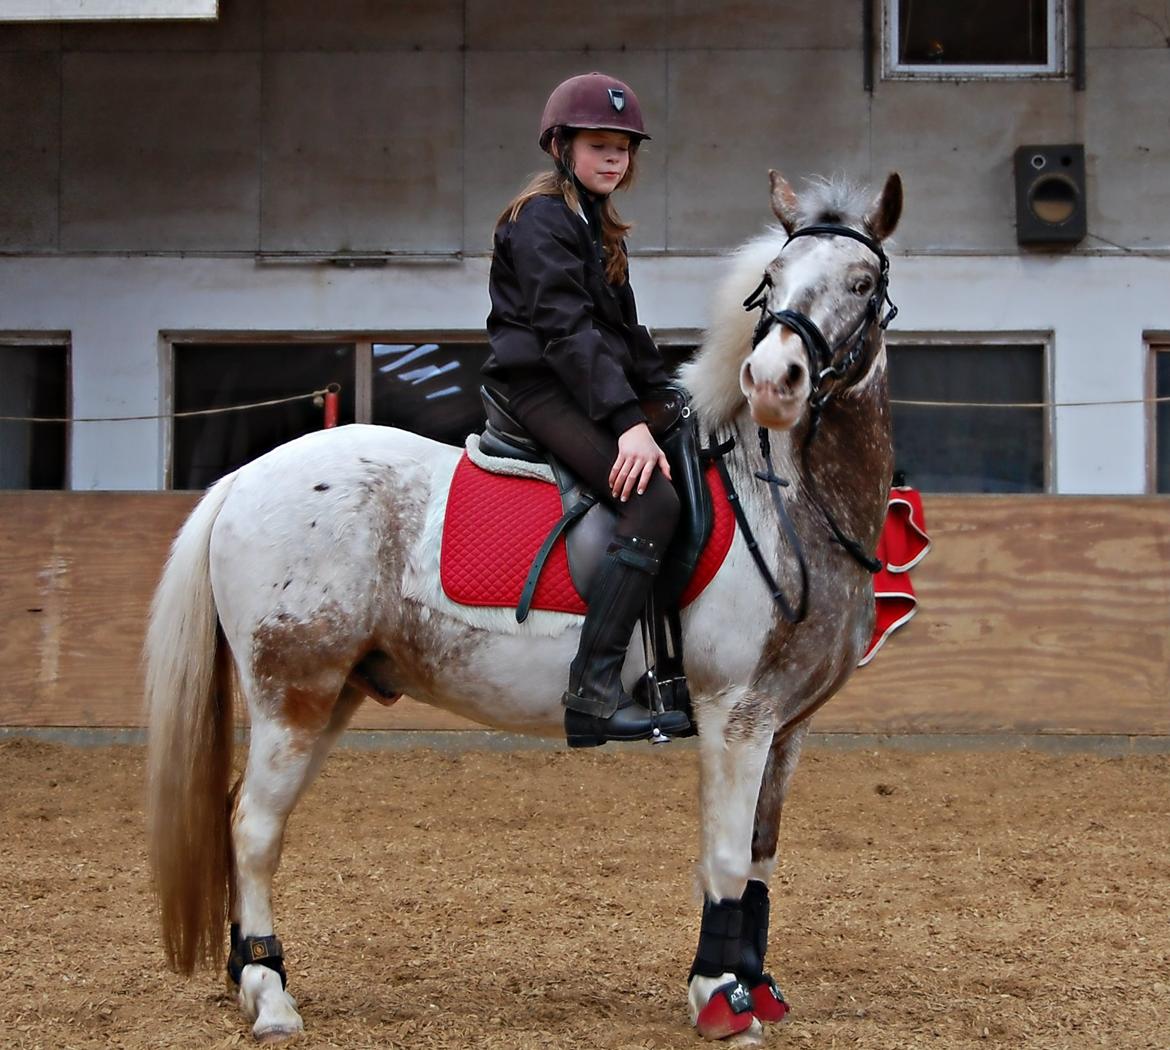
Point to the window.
(426, 385)
(1161, 418)
(429, 388)
(33, 455)
(678, 346)
(965, 449)
(217, 375)
(941, 39)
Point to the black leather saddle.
(588, 524)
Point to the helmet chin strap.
(587, 195)
(591, 206)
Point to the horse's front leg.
(735, 734)
(768, 1003)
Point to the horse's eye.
(862, 286)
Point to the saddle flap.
(696, 515)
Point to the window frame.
(1055, 69)
(990, 340)
(51, 339)
(1157, 342)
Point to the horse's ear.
(783, 200)
(887, 208)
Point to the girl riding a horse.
(567, 349)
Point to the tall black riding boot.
(598, 709)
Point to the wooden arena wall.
(1037, 614)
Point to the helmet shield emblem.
(617, 98)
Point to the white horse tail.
(189, 702)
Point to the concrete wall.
(295, 127)
(291, 125)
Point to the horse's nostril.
(794, 374)
(748, 379)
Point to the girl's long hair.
(559, 183)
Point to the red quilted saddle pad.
(496, 524)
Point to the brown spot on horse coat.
(301, 665)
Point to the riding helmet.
(595, 102)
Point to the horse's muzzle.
(775, 381)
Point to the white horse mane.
(712, 376)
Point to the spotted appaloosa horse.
(312, 572)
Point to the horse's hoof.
(263, 1000)
(768, 1002)
(754, 1036)
(279, 1033)
(728, 1013)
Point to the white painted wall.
(119, 309)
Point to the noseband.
(840, 361)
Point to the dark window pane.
(1162, 419)
(33, 383)
(429, 388)
(675, 355)
(969, 449)
(215, 375)
(973, 33)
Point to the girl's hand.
(638, 455)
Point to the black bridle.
(843, 362)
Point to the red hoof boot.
(728, 1012)
(768, 1002)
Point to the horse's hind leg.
(284, 757)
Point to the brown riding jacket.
(555, 318)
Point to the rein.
(717, 454)
(826, 362)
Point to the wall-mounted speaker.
(1050, 194)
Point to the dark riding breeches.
(589, 449)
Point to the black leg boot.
(598, 709)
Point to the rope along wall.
(171, 415)
(312, 395)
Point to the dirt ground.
(546, 899)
